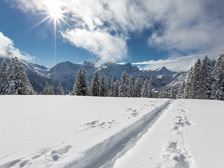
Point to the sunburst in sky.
(55, 12)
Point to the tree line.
(14, 81)
(124, 87)
(205, 80)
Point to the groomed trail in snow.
(76, 132)
(189, 134)
(106, 153)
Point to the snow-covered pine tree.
(172, 92)
(132, 87)
(115, 88)
(180, 91)
(103, 90)
(48, 89)
(218, 75)
(60, 90)
(163, 94)
(206, 79)
(80, 87)
(188, 88)
(17, 82)
(196, 81)
(138, 87)
(146, 89)
(124, 90)
(95, 85)
(3, 77)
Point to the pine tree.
(206, 80)
(48, 89)
(180, 91)
(115, 88)
(124, 85)
(17, 82)
(163, 94)
(195, 91)
(197, 81)
(95, 85)
(188, 88)
(3, 77)
(132, 87)
(146, 89)
(103, 91)
(138, 87)
(80, 88)
(218, 85)
(173, 92)
(60, 89)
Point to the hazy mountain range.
(65, 73)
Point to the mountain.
(114, 71)
(65, 73)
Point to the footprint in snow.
(176, 155)
(181, 121)
(134, 114)
(98, 124)
(57, 153)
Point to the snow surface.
(190, 134)
(87, 132)
(68, 131)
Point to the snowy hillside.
(88, 132)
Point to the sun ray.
(36, 25)
(55, 15)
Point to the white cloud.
(192, 26)
(109, 48)
(7, 49)
(176, 64)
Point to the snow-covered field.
(87, 132)
(190, 134)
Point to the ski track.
(106, 153)
(102, 155)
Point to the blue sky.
(152, 33)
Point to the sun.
(54, 11)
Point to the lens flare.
(54, 11)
